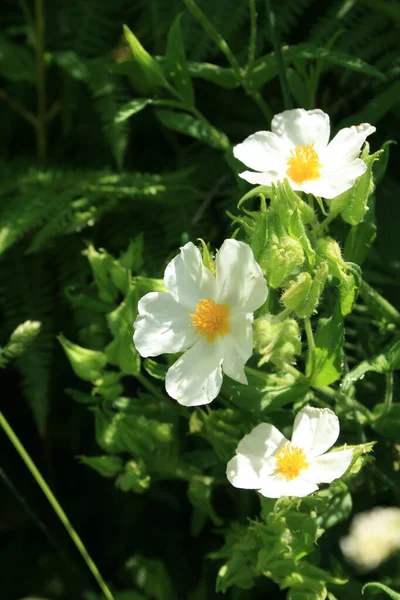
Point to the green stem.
(287, 99)
(388, 391)
(23, 112)
(259, 100)
(368, 293)
(319, 228)
(310, 342)
(142, 379)
(253, 35)
(215, 36)
(41, 128)
(54, 504)
(293, 371)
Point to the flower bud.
(284, 254)
(316, 289)
(135, 477)
(298, 291)
(278, 341)
(87, 364)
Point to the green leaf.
(87, 364)
(222, 76)
(378, 107)
(188, 125)
(265, 68)
(138, 104)
(386, 361)
(199, 493)
(326, 365)
(361, 237)
(155, 369)
(72, 64)
(152, 577)
(149, 67)
(108, 466)
(176, 62)
(388, 424)
(16, 61)
(357, 197)
(376, 585)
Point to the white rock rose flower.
(209, 316)
(297, 149)
(374, 535)
(266, 461)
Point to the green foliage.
(94, 204)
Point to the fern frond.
(31, 297)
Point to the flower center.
(303, 164)
(290, 460)
(211, 319)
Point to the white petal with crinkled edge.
(333, 183)
(238, 345)
(263, 441)
(239, 278)
(262, 151)
(162, 326)
(196, 377)
(346, 144)
(266, 178)
(315, 430)
(276, 487)
(187, 279)
(244, 472)
(300, 127)
(330, 466)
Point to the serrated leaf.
(193, 127)
(326, 365)
(176, 62)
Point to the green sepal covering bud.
(316, 289)
(348, 274)
(152, 73)
(278, 341)
(120, 276)
(306, 213)
(284, 254)
(86, 364)
(207, 259)
(304, 294)
(134, 478)
(298, 291)
(353, 204)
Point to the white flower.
(374, 536)
(297, 148)
(209, 315)
(266, 461)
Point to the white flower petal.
(267, 178)
(333, 183)
(263, 441)
(196, 377)
(238, 345)
(187, 279)
(244, 472)
(315, 430)
(346, 144)
(239, 279)
(262, 151)
(328, 467)
(276, 486)
(303, 127)
(162, 325)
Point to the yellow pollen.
(290, 460)
(211, 319)
(303, 164)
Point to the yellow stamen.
(290, 460)
(303, 164)
(211, 319)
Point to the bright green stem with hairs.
(55, 505)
